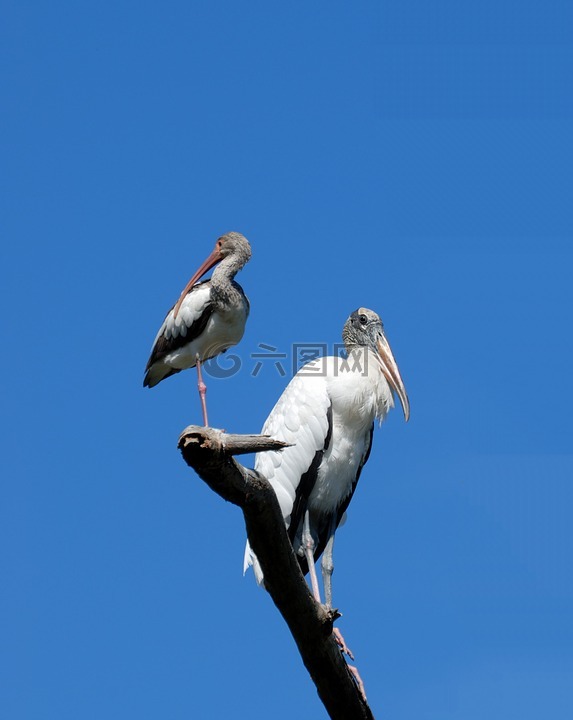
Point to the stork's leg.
(202, 390)
(308, 545)
(327, 567)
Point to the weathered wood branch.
(210, 453)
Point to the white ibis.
(208, 318)
(327, 413)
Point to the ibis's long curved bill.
(212, 260)
(392, 374)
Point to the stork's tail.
(250, 559)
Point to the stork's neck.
(363, 361)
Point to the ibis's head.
(364, 328)
(232, 244)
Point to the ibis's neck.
(223, 290)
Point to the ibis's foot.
(357, 679)
(342, 644)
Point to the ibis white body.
(208, 318)
(200, 329)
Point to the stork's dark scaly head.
(232, 244)
(364, 328)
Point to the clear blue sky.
(412, 157)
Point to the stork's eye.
(363, 319)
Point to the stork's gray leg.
(327, 567)
(308, 546)
(202, 390)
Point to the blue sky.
(411, 157)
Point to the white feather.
(357, 392)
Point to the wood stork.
(208, 318)
(327, 413)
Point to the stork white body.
(327, 414)
(328, 409)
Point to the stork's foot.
(342, 644)
(345, 650)
(357, 679)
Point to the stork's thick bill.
(210, 262)
(391, 372)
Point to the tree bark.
(210, 453)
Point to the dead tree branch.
(210, 453)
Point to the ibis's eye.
(363, 319)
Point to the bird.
(207, 319)
(326, 414)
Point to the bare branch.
(210, 453)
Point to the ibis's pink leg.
(202, 391)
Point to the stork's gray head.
(364, 328)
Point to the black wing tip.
(154, 376)
(147, 382)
